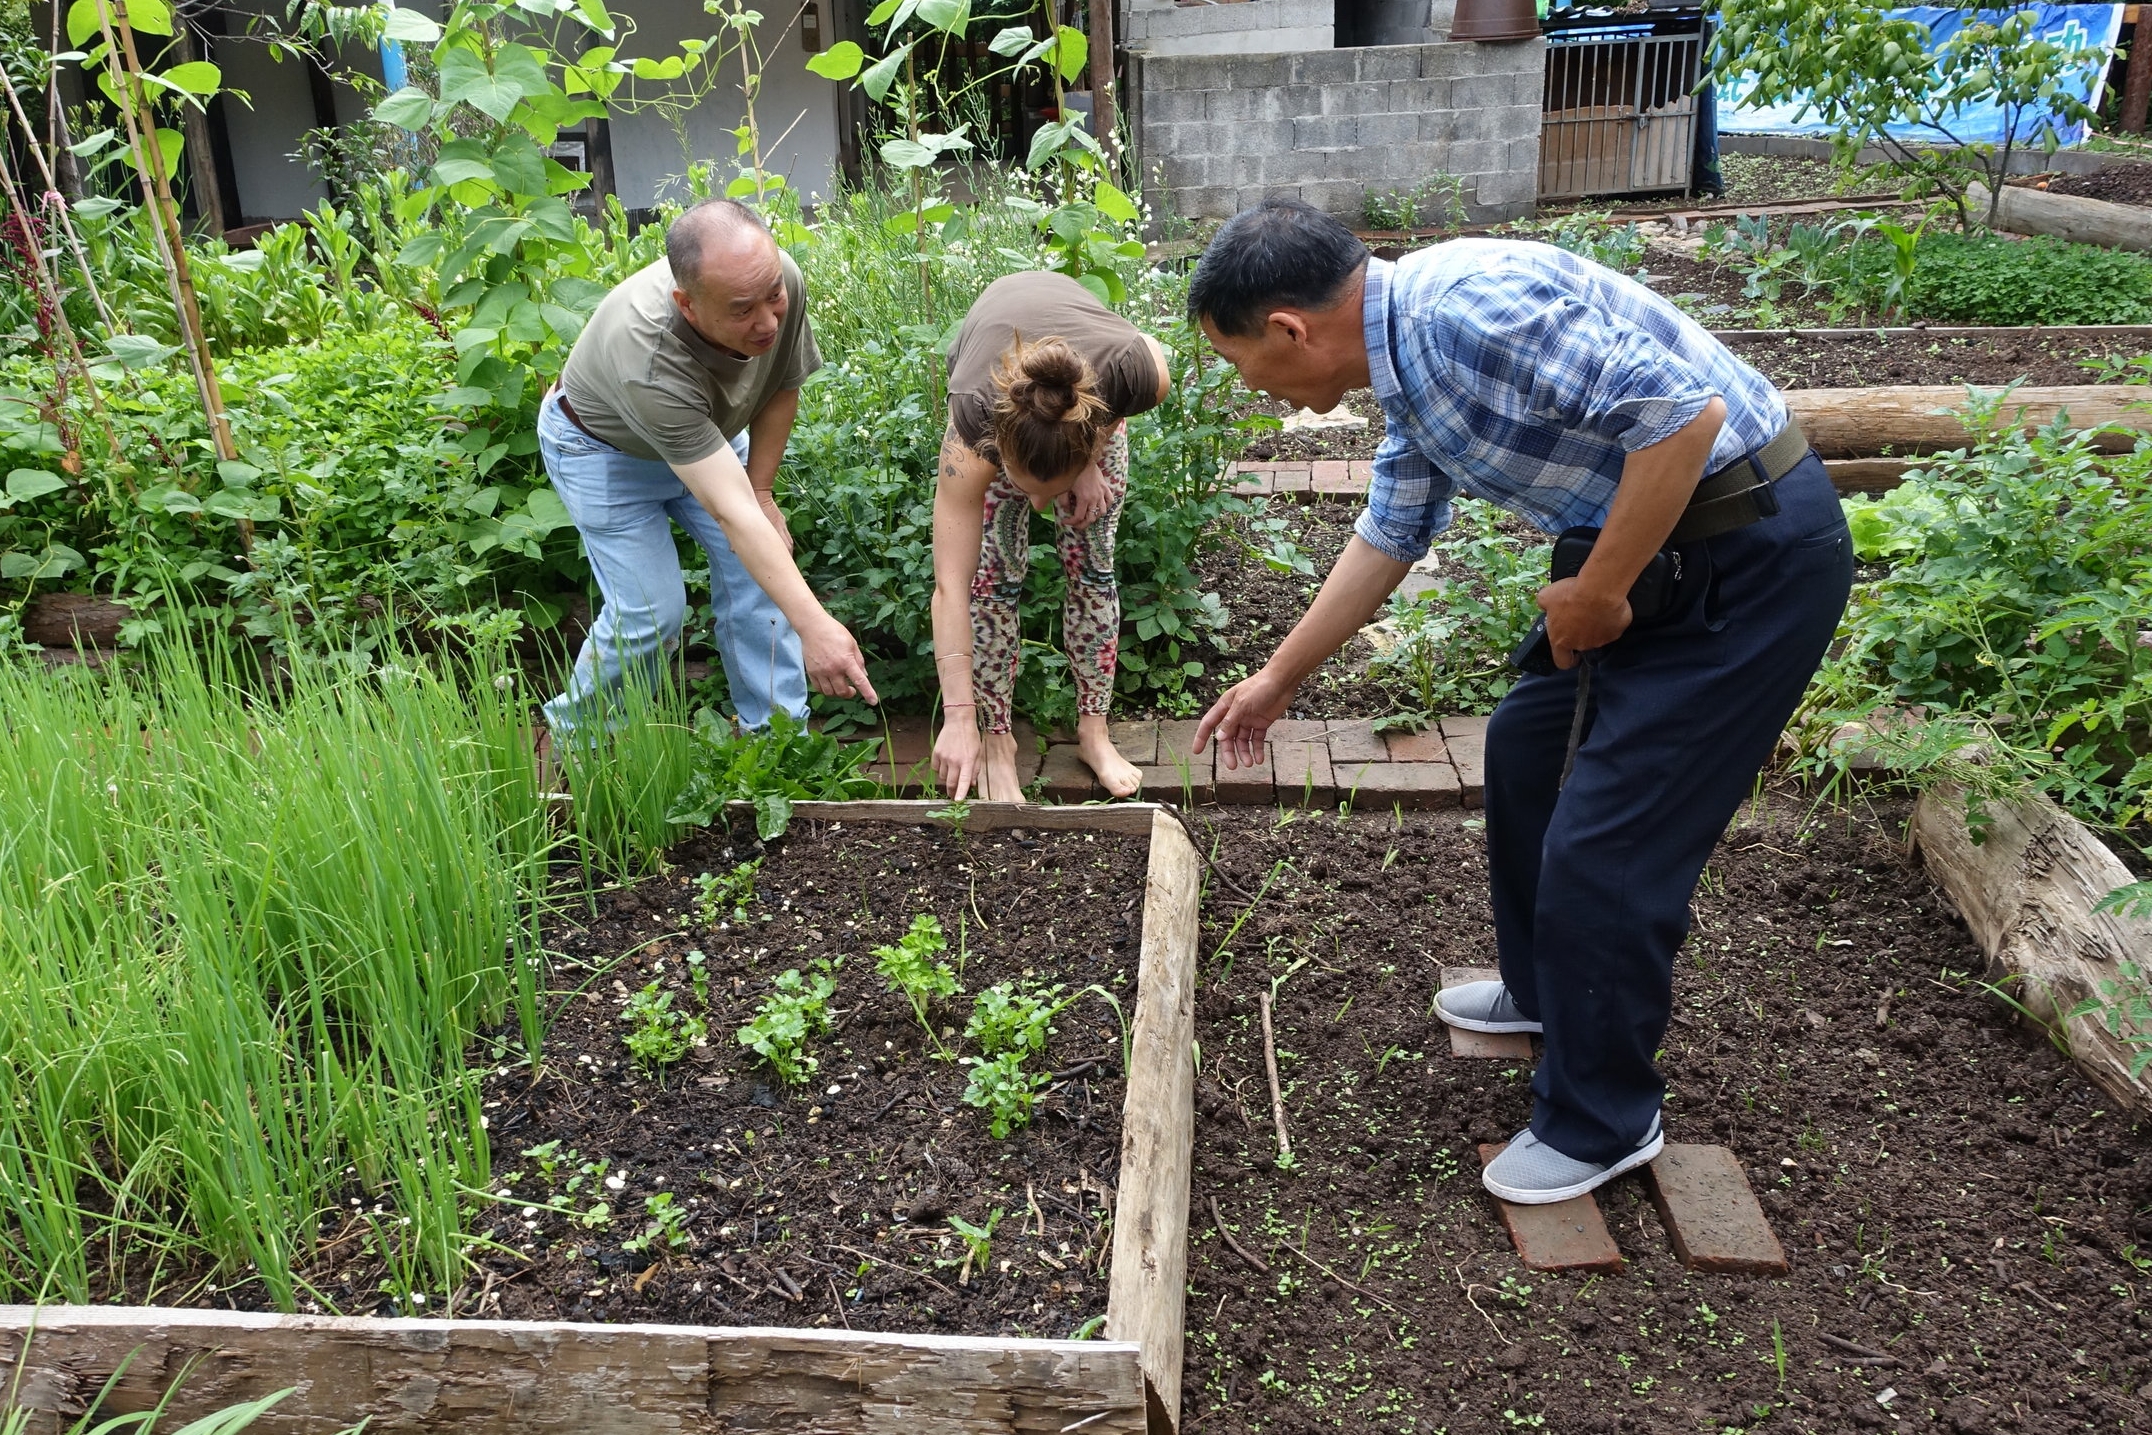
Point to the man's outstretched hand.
(1241, 717)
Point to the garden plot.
(911, 1100)
(1968, 1219)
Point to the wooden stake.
(1102, 95)
(2137, 79)
(1277, 1096)
(126, 65)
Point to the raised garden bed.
(1968, 1218)
(804, 1245)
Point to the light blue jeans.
(625, 508)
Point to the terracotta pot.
(1495, 20)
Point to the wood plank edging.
(1149, 1283)
(2027, 893)
(496, 1377)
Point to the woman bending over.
(1041, 380)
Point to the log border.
(537, 1377)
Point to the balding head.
(729, 276)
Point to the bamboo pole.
(1102, 94)
(126, 65)
(54, 187)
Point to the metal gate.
(1620, 112)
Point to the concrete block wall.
(1232, 27)
(1216, 133)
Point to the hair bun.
(1047, 379)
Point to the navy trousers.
(1591, 883)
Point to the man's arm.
(1591, 610)
(720, 484)
(1362, 577)
(767, 434)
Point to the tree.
(1886, 81)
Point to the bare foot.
(999, 783)
(1115, 773)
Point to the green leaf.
(24, 484)
(594, 14)
(516, 75)
(1115, 205)
(518, 167)
(672, 67)
(411, 26)
(139, 351)
(1011, 40)
(906, 154)
(875, 16)
(56, 561)
(1104, 295)
(1071, 50)
(236, 474)
(1048, 142)
(548, 513)
(422, 251)
(840, 61)
(951, 17)
(876, 82)
(773, 814)
(410, 108)
(196, 77)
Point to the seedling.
(1007, 1019)
(668, 1223)
(657, 1035)
(910, 967)
(733, 892)
(1004, 1090)
(797, 1010)
(978, 1243)
(698, 976)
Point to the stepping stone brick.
(1426, 745)
(1362, 474)
(1566, 1236)
(1466, 738)
(1302, 773)
(1329, 476)
(1290, 478)
(1068, 776)
(1138, 741)
(1712, 1215)
(1492, 1045)
(1183, 789)
(1410, 785)
(1297, 730)
(1356, 742)
(1244, 785)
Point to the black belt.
(568, 411)
(1740, 493)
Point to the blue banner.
(2069, 25)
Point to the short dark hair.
(687, 236)
(1282, 253)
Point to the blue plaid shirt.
(1525, 375)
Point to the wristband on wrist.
(952, 707)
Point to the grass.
(249, 926)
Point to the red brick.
(1301, 771)
(1466, 738)
(1068, 777)
(1297, 730)
(1423, 746)
(1363, 474)
(1566, 1236)
(1711, 1214)
(1492, 1045)
(1171, 784)
(1290, 478)
(1413, 785)
(1137, 741)
(1356, 742)
(1252, 483)
(1244, 784)
(1328, 475)
(1175, 737)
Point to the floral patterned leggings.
(1090, 611)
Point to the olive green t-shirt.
(640, 379)
(1041, 304)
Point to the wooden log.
(2066, 216)
(1860, 423)
(492, 1377)
(68, 620)
(1150, 1209)
(2089, 333)
(1867, 475)
(2027, 892)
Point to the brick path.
(1308, 764)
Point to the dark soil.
(1317, 443)
(1951, 1193)
(2122, 182)
(826, 1204)
(1862, 360)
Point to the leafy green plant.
(657, 1035)
(733, 892)
(1988, 279)
(769, 770)
(788, 1017)
(667, 1224)
(911, 969)
(1450, 645)
(1008, 1018)
(978, 1243)
(698, 976)
(1591, 233)
(1004, 1090)
(1880, 79)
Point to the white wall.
(648, 162)
(274, 183)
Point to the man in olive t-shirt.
(675, 406)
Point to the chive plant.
(248, 931)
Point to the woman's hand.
(1087, 502)
(959, 756)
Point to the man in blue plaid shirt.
(1718, 567)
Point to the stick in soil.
(836, 1300)
(1277, 1096)
(907, 1270)
(1356, 1290)
(1253, 1262)
(1855, 1348)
